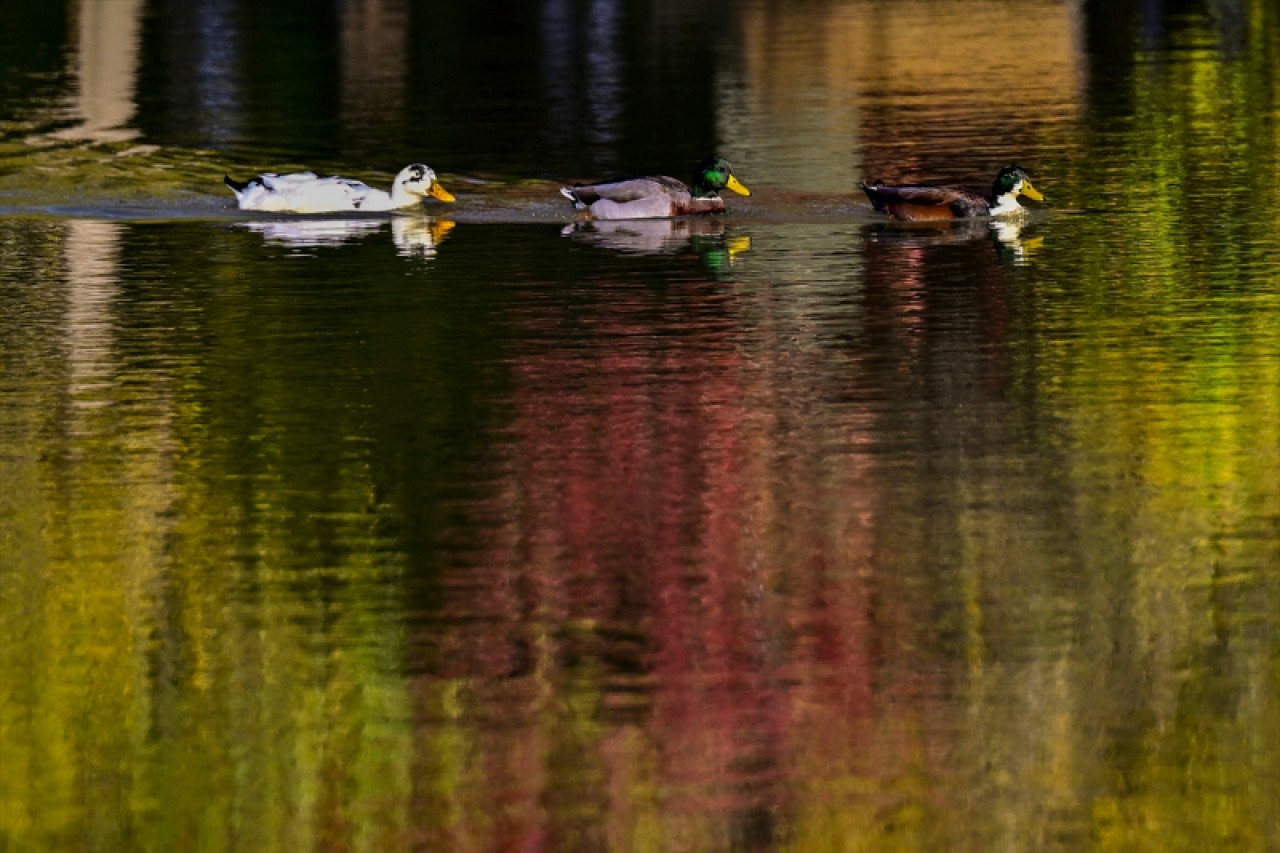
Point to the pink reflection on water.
(677, 618)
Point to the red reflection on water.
(675, 616)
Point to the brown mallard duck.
(914, 202)
(658, 196)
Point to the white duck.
(304, 192)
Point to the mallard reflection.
(1013, 246)
(413, 236)
(705, 237)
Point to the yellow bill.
(1031, 192)
(736, 185)
(437, 191)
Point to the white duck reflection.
(413, 236)
(704, 236)
(418, 236)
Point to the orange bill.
(437, 191)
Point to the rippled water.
(484, 527)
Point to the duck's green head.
(714, 175)
(1014, 179)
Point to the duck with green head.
(658, 196)
(915, 202)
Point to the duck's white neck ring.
(1007, 203)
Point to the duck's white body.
(305, 192)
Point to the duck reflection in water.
(947, 287)
(706, 238)
(1007, 235)
(413, 236)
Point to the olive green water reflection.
(668, 551)
(789, 530)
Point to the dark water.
(481, 528)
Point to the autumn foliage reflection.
(676, 607)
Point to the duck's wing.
(357, 191)
(622, 192)
(921, 202)
(303, 192)
(272, 181)
(352, 184)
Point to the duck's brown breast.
(685, 205)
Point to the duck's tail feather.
(873, 193)
(236, 186)
(567, 192)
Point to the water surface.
(483, 527)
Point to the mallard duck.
(913, 202)
(304, 192)
(658, 196)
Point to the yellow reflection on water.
(92, 249)
(106, 67)
(832, 95)
(375, 63)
